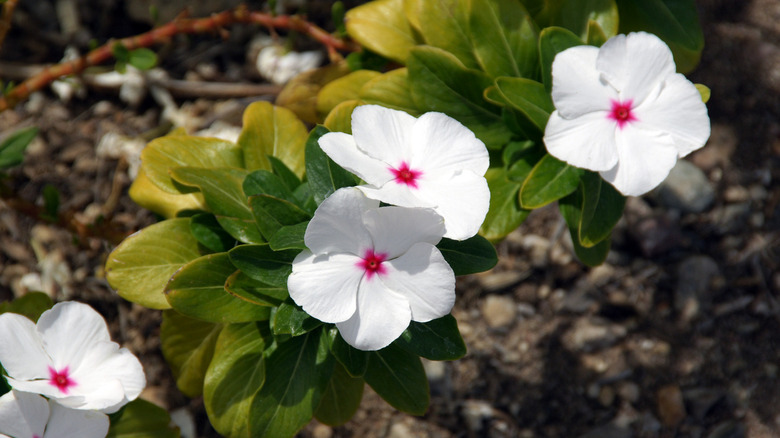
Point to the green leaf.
(571, 210)
(198, 290)
(596, 35)
(676, 22)
(31, 305)
(223, 191)
(264, 264)
(354, 361)
(550, 180)
(576, 14)
(290, 319)
(399, 378)
(165, 153)
(469, 256)
(272, 131)
(602, 208)
(263, 182)
(440, 82)
(445, 24)
(12, 147)
(529, 97)
(435, 340)
(234, 376)
(141, 418)
(297, 373)
(505, 213)
(120, 52)
(343, 89)
(390, 90)
(188, 346)
(206, 229)
(300, 93)
(341, 398)
(144, 193)
(290, 179)
(325, 176)
(140, 267)
(271, 214)
(254, 291)
(142, 59)
(524, 161)
(289, 237)
(381, 26)
(553, 40)
(504, 38)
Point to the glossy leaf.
(300, 93)
(234, 376)
(354, 361)
(435, 340)
(505, 213)
(288, 177)
(165, 153)
(390, 90)
(263, 182)
(264, 264)
(141, 418)
(324, 175)
(240, 285)
(289, 237)
(602, 208)
(399, 378)
(223, 191)
(12, 147)
(341, 398)
(553, 40)
(272, 131)
(290, 319)
(206, 229)
(549, 180)
(575, 15)
(676, 22)
(31, 305)
(440, 82)
(343, 89)
(140, 267)
(445, 24)
(529, 97)
(188, 346)
(571, 210)
(297, 373)
(198, 290)
(504, 38)
(271, 214)
(524, 160)
(469, 256)
(144, 193)
(382, 27)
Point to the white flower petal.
(383, 133)
(105, 365)
(577, 85)
(395, 229)
(635, 64)
(21, 348)
(23, 414)
(397, 194)
(72, 423)
(425, 279)
(587, 141)
(381, 316)
(43, 387)
(646, 157)
(679, 111)
(342, 149)
(326, 285)
(441, 143)
(69, 329)
(461, 199)
(337, 224)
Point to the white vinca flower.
(25, 415)
(69, 357)
(432, 161)
(623, 111)
(372, 270)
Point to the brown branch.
(163, 33)
(5, 20)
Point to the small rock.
(656, 234)
(496, 281)
(184, 419)
(736, 194)
(728, 429)
(693, 293)
(589, 333)
(671, 408)
(609, 431)
(719, 149)
(628, 391)
(399, 430)
(731, 217)
(538, 249)
(701, 400)
(686, 189)
(499, 311)
(434, 369)
(476, 413)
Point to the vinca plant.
(319, 252)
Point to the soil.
(676, 335)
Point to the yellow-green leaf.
(144, 193)
(390, 90)
(704, 91)
(340, 119)
(343, 89)
(300, 94)
(381, 26)
(445, 24)
(272, 130)
(188, 346)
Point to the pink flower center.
(621, 112)
(61, 379)
(371, 263)
(404, 175)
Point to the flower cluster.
(623, 111)
(69, 358)
(370, 269)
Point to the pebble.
(695, 278)
(628, 391)
(731, 217)
(609, 431)
(499, 311)
(686, 189)
(400, 430)
(496, 281)
(728, 429)
(538, 249)
(589, 334)
(719, 149)
(671, 408)
(475, 413)
(184, 419)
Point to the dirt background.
(675, 336)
